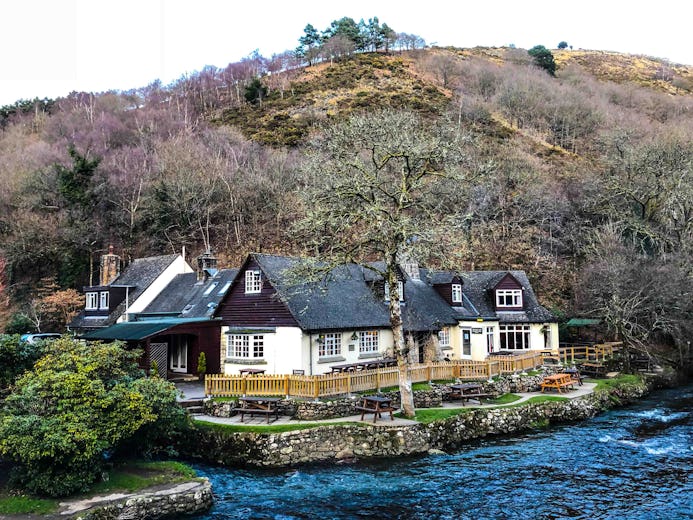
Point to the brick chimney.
(109, 268)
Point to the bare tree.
(379, 188)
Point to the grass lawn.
(130, 477)
(505, 399)
(428, 415)
(607, 384)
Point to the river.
(633, 463)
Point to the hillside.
(592, 164)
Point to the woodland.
(581, 177)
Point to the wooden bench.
(467, 392)
(557, 382)
(376, 406)
(593, 369)
(258, 406)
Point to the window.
(489, 339)
(509, 298)
(400, 290)
(456, 293)
(368, 341)
(253, 282)
(466, 342)
(245, 346)
(209, 289)
(330, 345)
(92, 301)
(444, 338)
(103, 304)
(514, 337)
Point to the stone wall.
(338, 442)
(187, 498)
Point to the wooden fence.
(327, 385)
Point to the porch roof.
(583, 322)
(138, 330)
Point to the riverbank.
(348, 439)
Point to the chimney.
(206, 266)
(109, 268)
(410, 266)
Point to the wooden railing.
(593, 352)
(327, 385)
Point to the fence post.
(488, 369)
(286, 386)
(316, 388)
(428, 372)
(377, 379)
(349, 383)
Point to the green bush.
(16, 357)
(65, 418)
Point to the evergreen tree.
(543, 58)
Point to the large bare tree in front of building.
(383, 187)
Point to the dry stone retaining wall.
(339, 442)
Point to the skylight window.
(210, 288)
(224, 288)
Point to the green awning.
(583, 322)
(138, 330)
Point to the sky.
(49, 48)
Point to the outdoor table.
(346, 367)
(557, 382)
(467, 391)
(251, 371)
(375, 405)
(258, 406)
(574, 374)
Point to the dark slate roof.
(187, 297)
(139, 275)
(344, 300)
(478, 298)
(138, 330)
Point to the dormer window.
(253, 282)
(92, 301)
(400, 290)
(509, 298)
(103, 300)
(456, 293)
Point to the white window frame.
(508, 298)
(253, 281)
(444, 337)
(369, 341)
(400, 290)
(456, 293)
(92, 302)
(330, 345)
(245, 346)
(521, 336)
(103, 300)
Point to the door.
(466, 342)
(179, 355)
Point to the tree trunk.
(405, 390)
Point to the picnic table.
(364, 365)
(574, 374)
(593, 369)
(467, 391)
(557, 382)
(258, 406)
(375, 405)
(250, 371)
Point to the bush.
(16, 357)
(543, 58)
(80, 403)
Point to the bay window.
(514, 337)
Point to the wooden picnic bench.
(258, 406)
(593, 369)
(467, 391)
(375, 405)
(557, 382)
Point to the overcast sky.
(52, 47)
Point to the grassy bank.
(126, 477)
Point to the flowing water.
(631, 463)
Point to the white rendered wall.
(283, 352)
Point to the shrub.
(66, 417)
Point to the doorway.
(179, 354)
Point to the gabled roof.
(478, 299)
(137, 276)
(345, 300)
(187, 297)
